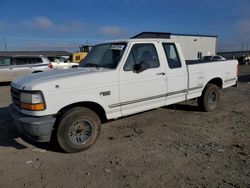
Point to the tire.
(210, 98)
(78, 129)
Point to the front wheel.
(78, 129)
(210, 98)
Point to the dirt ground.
(175, 146)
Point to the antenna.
(5, 43)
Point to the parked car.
(115, 79)
(247, 59)
(61, 62)
(244, 60)
(213, 58)
(14, 66)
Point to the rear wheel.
(210, 98)
(78, 129)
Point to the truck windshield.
(104, 55)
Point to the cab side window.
(172, 55)
(142, 53)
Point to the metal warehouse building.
(193, 46)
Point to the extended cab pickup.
(116, 79)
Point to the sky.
(67, 24)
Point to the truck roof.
(167, 35)
(141, 40)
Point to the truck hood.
(61, 78)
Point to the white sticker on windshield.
(117, 47)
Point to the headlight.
(32, 101)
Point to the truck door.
(177, 77)
(142, 90)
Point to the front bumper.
(35, 128)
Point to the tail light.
(50, 65)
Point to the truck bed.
(199, 61)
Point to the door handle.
(160, 73)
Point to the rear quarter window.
(35, 60)
(172, 55)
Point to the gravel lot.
(174, 146)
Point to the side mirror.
(140, 67)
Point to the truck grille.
(15, 95)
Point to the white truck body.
(121, 93)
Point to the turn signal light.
(32, 107)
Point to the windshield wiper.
(92, 65)
(95, 65)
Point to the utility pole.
(5, 43)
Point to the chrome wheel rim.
(212, 97)
(80, 132)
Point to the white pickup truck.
(116, 79)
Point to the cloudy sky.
(66, 24)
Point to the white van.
(12, 67)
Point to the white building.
(193, 46)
